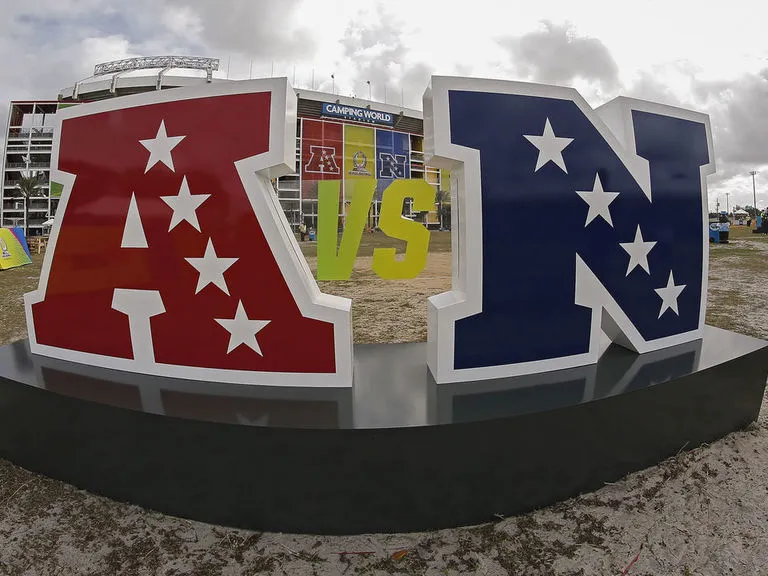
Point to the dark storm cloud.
(261, 29)
(556, 55)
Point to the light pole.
(754, 193)
(333, 77)
(727, 209)
(369, 88)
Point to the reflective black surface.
(392, 388)
(395, 453)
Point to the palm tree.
(30, 186)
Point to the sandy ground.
(391, 311)
(702, 512)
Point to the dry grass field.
(703, 512)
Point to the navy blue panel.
(534, 226)
(392, 149)
(392, 159)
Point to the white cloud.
(105, 48)
(676, 52)
(183, 21)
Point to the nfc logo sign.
(611, 259)
(392, 165)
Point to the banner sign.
(356, 114)
(321, 150)
(13, 248)
(392, 155)
(359, 152)
(331, 150)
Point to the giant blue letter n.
(569, 222)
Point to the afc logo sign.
(322, 160)
(171, 255)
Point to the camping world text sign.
(356, 114)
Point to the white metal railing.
(417, 156)
(24, 165)
(27, 133)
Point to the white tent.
(740, 212)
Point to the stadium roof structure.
(105, 75)
(140, 74)
(164, 62)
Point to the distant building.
(353, 137)
(28, 144)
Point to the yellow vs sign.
(336, 258)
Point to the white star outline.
(550, 147)
(242, 330)
(160, 148)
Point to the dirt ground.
(391, 311)
(703, 512)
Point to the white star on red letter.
(160, 148)
(242, 330)
(185, 206)
(211, 269)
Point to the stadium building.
(337, 138)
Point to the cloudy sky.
(702, 55)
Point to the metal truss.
(166, 62)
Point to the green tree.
(30, 186)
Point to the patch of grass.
(743, 232)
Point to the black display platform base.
(396, 453)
